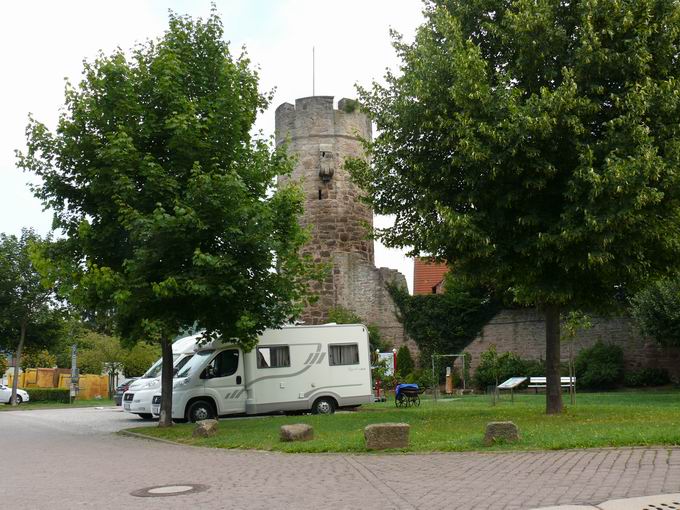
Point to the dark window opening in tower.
(319, 193)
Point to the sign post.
(73, 390)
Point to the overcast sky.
(44, 42)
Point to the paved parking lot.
(71, 459)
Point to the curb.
(129, 433)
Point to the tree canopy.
(29, 314)
(534, 145)
(166, 198)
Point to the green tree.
(37, 358)
(534, 145)
(139, 359)
(101, 354)
(342, 315)
(3, 365)
(656, 310)
(405, 363)
(29, 316)
(166, 199)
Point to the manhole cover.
(668, 505)
(169, 490)
(659, 502)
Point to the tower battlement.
(316, 116)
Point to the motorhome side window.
(273, 357)
(223, 365)
(343, 354)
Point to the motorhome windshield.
(155, 370)
(196, 362)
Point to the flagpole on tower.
(313, 73)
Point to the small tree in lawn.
(535, 146)
(405, 363)
(656, 310)
(29, 315)
(573, 323)
(166, 199)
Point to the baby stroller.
(407, 395)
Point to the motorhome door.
(224, 381)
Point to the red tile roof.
(427, 275)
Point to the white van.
(295, 368)
(137, 399)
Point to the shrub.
(404, 361)
(48, 394)
(495, 368)
(599, 367)
(647, 377)
(422, 377)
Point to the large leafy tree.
(534, 145)
(166, 199)
(29, 314)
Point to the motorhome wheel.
(145, 416)
(200, 410)
(323, 406)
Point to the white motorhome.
(137, 399)
(295, 368)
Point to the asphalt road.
(65, 459)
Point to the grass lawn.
(598, 420)
(28, 406)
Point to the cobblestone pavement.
(70, 459)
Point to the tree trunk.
(17, 362)
(553, 391)
(166, 384)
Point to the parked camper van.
(295, 368)
(137, 399)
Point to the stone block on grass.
(297, 432)
(501, 432)
(205, 428)
(381, 436)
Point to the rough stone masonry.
(322, 138)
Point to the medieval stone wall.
(523, 332)
(322, 138)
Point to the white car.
(6, 395)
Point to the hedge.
(48, 394)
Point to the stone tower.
(322, 138)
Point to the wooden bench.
(540, 382)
